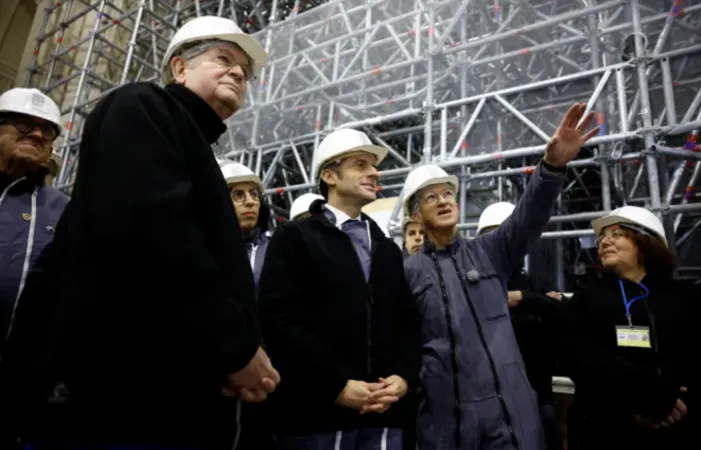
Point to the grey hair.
(194, 49)
(414, 203)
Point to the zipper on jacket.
(490, 358)
(368, 308)
(453, 358)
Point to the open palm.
(569, 138)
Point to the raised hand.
(569, 138)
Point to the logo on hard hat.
(37, 102)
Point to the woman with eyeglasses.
(631, 344)
(246, 192)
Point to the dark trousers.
(360, 439)
(551, 427)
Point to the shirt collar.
(339, 215)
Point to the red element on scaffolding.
(324, 60)
(69, 126)
(60, 39)
(463, 146)
(675, 84)
(317, 124)
(411, 33)
(431, 31)
(498, 156)
(280, 219)
(379, 188)
(376, 70)
(279, 191)
(300, 107)
(600, 118)
(524, 51)
(689, 192)
(678, 9)
(389, 101)
(528, 170)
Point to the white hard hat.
(213, 27)
(406, 221)
(302, 204)
(423, 176)
(31, 102)
(494, 214)
(341, 142)
(640, 218)
(238, 173)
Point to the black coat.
(324, 325)
(153, 301)
(613, 383)
(535, 321)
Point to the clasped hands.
(373, 397)
(254, 382)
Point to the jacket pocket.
(486, 292)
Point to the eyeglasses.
(220, 58)
(613, 236)
(239, 196)
(26, 125)
(432, 198)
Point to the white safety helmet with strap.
(302, 203)
(424, 176)
(31, 102)
(214, 28)
(634, 217)
(494, 215)
(342, 142)
(238, 173)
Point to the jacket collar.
(453, 247)
(209, 122)
(28, 183)
(318, 207)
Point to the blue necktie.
(357, 231)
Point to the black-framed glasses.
(239, 195)
(25, 125)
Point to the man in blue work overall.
(29, 208)
(336, 313)
(474, 393)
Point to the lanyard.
(629, 303)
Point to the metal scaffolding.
(476, 86)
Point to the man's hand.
(392, 389)
(569, 137)
(255, 381)
(356, 394)
(515, 298)
(678, 412)
(554, 294)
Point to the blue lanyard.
(629, 303)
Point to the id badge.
(633, 336)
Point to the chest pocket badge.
(26, 217)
